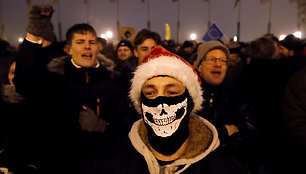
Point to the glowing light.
(235, 38)
(193, 36)
(103, 36)
(298, 34)
(20, 40)
(109, 34)
(282, 37)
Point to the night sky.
(133, 13)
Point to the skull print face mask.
(164, 118)
(167, 121)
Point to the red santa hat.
(162, 62)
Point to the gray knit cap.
(205, 47)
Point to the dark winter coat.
(31, 66)
(265, 80)
(294, 106)
(226, 106)
(12, 156)
(126, 69)
(10, 122)
(132, 156)
(294, 119)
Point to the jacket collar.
(58, 65)
(198, 147)
(78, 66)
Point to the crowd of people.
(147, 105)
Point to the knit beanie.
(187, 44)
(205, 47)
(292, 43)
(126, 43)
(162, 62)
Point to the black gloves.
(39, 23)
(90, 122)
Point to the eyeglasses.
(211, 60)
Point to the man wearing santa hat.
(170, 137)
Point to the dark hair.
(102, 41)
(262, 48)
(146, 34)
(273, 37)
(80, 29)
(4, 48)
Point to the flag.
(85, 1)
(213, 33)
(168, 33)
(264, 1)
(29, 3)
(236, 3)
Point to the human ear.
(68, 49)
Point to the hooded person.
(170, 137)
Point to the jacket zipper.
(87, 77)
(98, 107)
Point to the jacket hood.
(57, 65)
(10, 95)
(203, 139)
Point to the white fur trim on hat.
(170, 66)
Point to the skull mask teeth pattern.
(165, 119)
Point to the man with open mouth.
(224, 106)
(74, 106)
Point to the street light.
(20, 40)
(103, 36)
(235, 38)
(298, 34)
(282, 37)
(109, 34)
(193, 36)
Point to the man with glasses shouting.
(225, 107)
